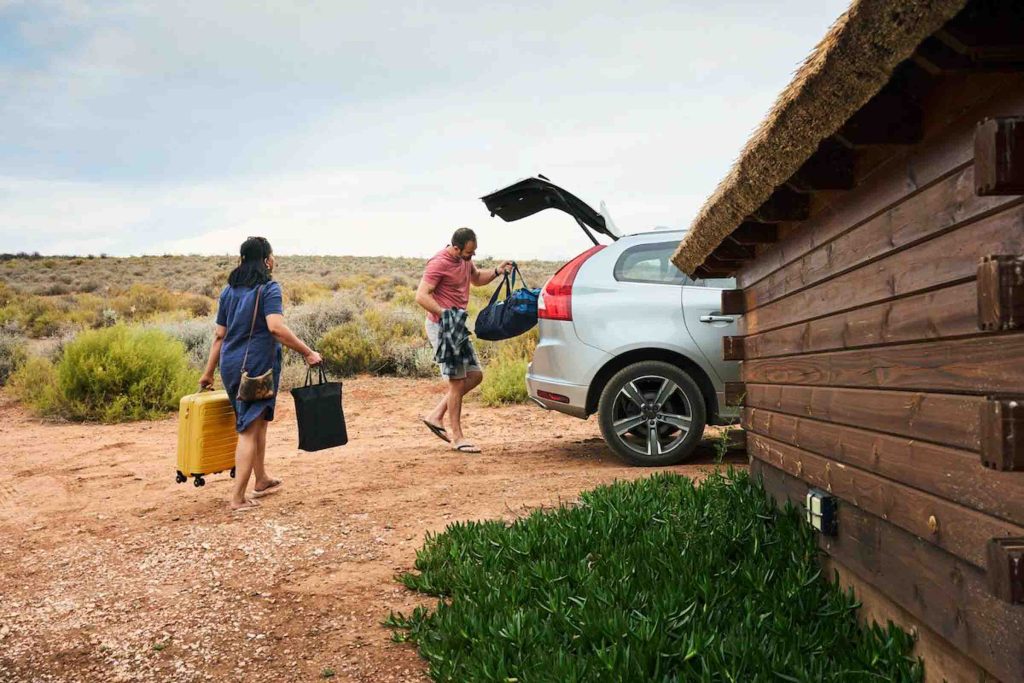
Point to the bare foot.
(244, 505)
(265, 488)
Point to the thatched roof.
(847, 68)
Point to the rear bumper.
(575, 394)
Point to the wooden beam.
(710, 271)
(1006, 569)
(958, 530)
(889, 118)
(942, 471)
(988, 364)
(1001, 292)
(950, 257)
(732, 348)
(730, 251)
(735, 393)
(784, 205)
(938, 314)
(999, 156)
(946, 419)
(990, 33)
(1002, 433)
(750, 233)
(931, 212)
(722, 268)
(733, 302)
(830, 168)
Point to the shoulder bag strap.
(497, 290)
(252, 326)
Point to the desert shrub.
(35, 316)
(382, 341)
(297, 293)
(144, 300)
(198, 306)
(53, 289)
(195, 335)
(504, 382)
(311, 322)
(35, 385)
(658, 579)
(7, 293)
(122, 373)
(347, 349)
(12, 355)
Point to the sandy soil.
(109, 571)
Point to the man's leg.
(474, 378)
(456, 390)
(436, 416)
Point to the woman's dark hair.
(252, 271)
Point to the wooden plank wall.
(866, 373)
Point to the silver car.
(626, 335)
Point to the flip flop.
(244, 508)
(275, 486)
(466, 448)
(439, 431)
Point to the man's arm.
(481, 278)
(425, 298)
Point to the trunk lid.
(531, 195)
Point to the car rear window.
(650, 263)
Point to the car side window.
(650, 263)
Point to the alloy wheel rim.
(651, 415)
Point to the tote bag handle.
(309, 375)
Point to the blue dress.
(235, 313)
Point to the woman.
(250, 285)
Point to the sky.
(372, 128)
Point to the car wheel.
(652, 414)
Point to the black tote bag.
(319, 413)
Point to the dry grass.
(359, 312)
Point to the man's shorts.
(433, 330)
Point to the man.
(445, 285)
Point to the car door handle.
(717, 319)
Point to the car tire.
(632, 395)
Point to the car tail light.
(558, 398)
(556, 304)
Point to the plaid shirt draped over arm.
(453, 348)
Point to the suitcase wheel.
(232, 472)
(180, 478)
(198, 481)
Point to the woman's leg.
(245, 457)
(259, 469)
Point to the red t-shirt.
(450, 277)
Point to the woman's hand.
(313, 358)
(206, 381)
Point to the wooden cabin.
(875, 226)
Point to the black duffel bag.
(319, 413)
(514, 316)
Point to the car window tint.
(650, 263)
(717, 283)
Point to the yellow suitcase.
(206, 436)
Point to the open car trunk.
(527, 197)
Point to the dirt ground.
(109, 571)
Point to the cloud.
(369, 128)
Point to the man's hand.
(206, 381)
(505, 267)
